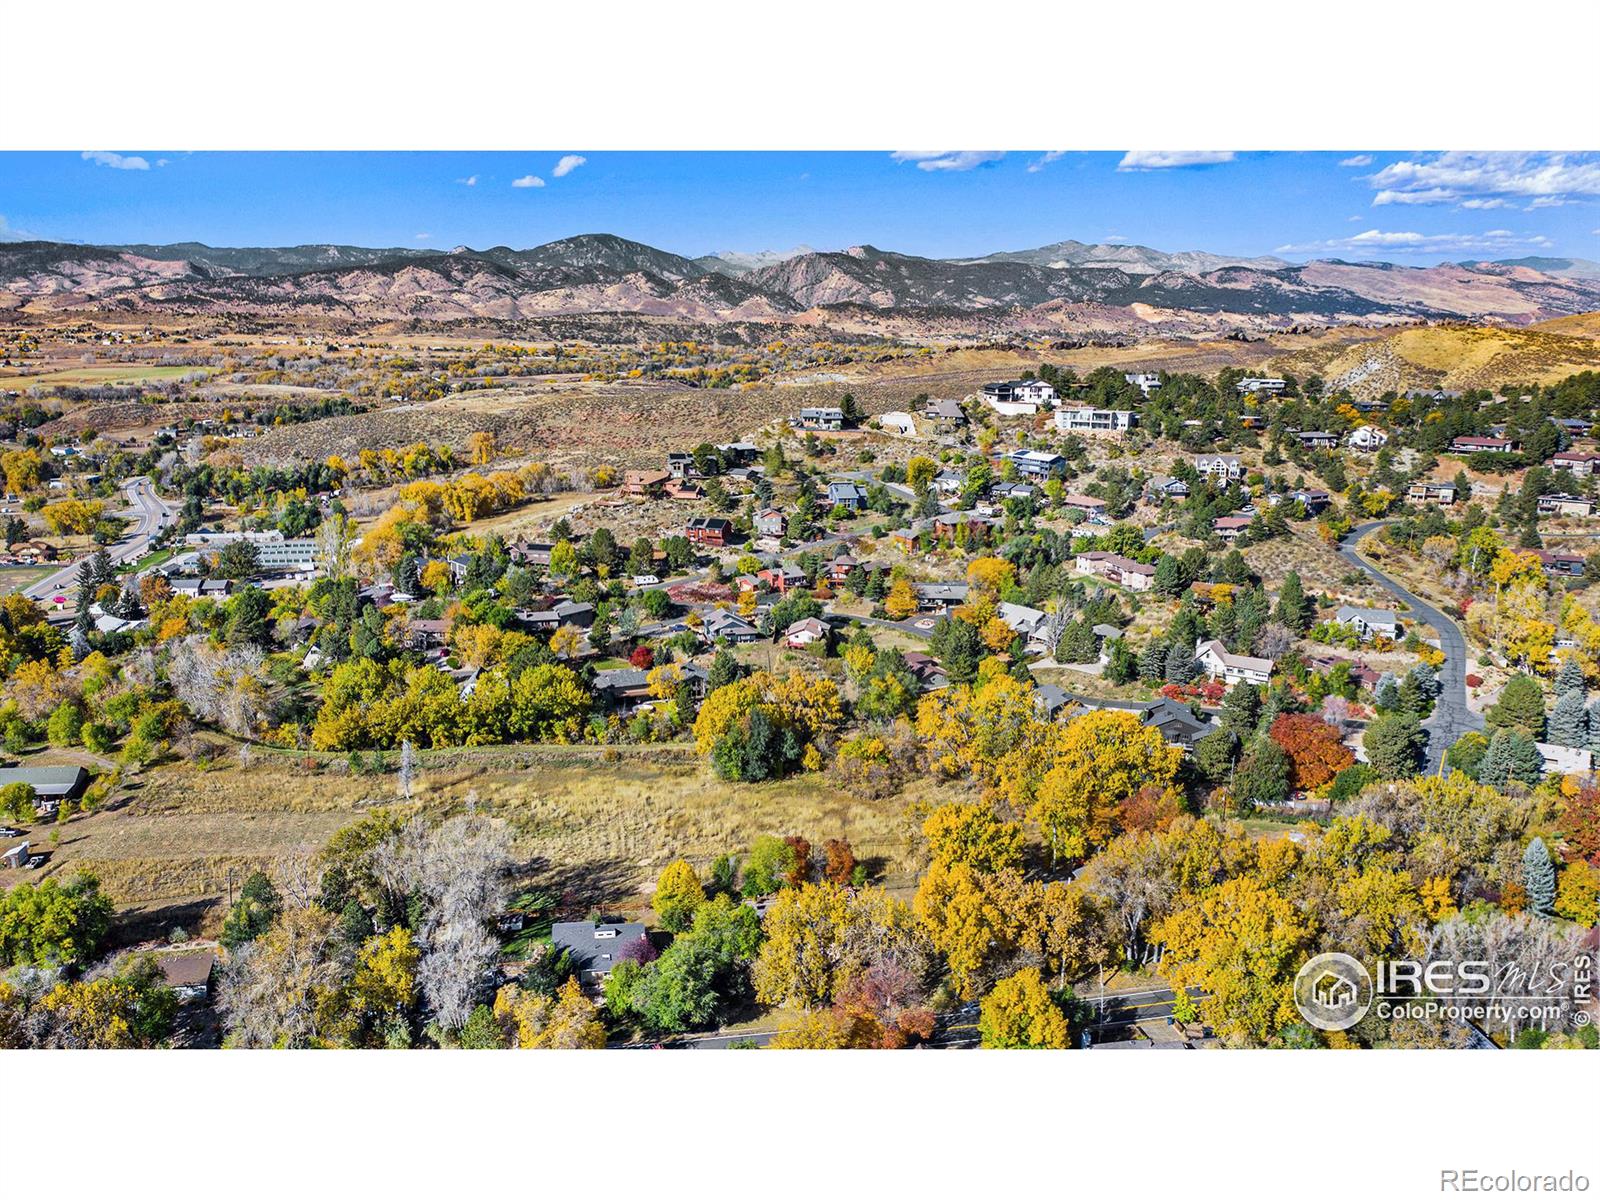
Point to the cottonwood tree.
(458, 870)
(408, 768)
(276, 991)
(228, 687)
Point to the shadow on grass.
(153, 924)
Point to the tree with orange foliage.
(1316, 751)
(839, 862)
(1579, 822)
(1149, 810)
(800, 873)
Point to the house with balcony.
(1221, 468)
(1076, 419)
(1431, 493)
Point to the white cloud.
(1493, 241)
(469, 181)
(947, 160)
(1459, 176)
(1160, 160)
(1356, 160)
(1485, 202)
(1044, 161)
(422, 237)
(1424, 196)
(528, 181)
(120, 162)
(568, 164)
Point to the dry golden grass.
(600, 822)
(1460, 356)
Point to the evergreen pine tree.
(1594, 727)
(1539, 877)
(1168, 577)
(1234, 568)
(1426, 679)
(1568, 724)
(1180, 662)
(1294, 610)
(1121, 666)
(1570, 677)
(1153, 662)
(1241, 710)
(1495, 767)
(1521, 704)
(1527, 764)
(1387, 694)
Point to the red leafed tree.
(643, 657)
(1149, 809)
(1314, 748)
(1580, 824)
(839, 861)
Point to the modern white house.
(1564, 504)
(1018, 397)
(1253, 384)
(827, 419)
(1214, 659)
(1095, 420)
(1368, 437)
(1145, 381)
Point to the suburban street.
(151, 515)
(1451, 718)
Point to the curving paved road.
(1451, 717)
(151, 515)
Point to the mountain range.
(1067, 287)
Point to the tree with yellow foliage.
(24, 470)
(1019, 1013)
(435, 577)
(533, 1021)
(996, 634)
(821, 936)
(901, 601)
(1241, 945)
(481, 447)
(991, 574)
(678, 893)
(972, 834)
(73, 516)
(385, 983)
(1101, 760)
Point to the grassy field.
(14, 579)
(595, 825)
(111, 373)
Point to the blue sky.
(1421, 207)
